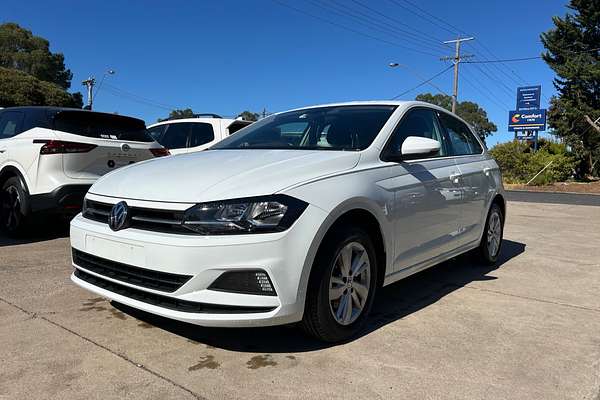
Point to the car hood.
(221, 174)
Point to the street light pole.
(456, 60)
(108, 72)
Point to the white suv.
(49, 158)
(194, 134)
(302, 216)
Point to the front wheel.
(342, 286)
(13, 203)
(491, 241)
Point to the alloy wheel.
(11, 207)
(494, 233)
(349, 283)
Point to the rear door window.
(11, 123)
(101, 126)
(175, 136)
(462, 140)
(201, 133)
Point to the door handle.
(487, 171)
(455, 177)
(2, 151)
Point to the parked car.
(194, 134)
(301, 217)
(50, 156)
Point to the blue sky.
(228, 56)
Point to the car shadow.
(392, 303)
(41, 231)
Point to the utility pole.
(456, 60)
(89, 83)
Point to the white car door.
(475, 176)
(427, 198)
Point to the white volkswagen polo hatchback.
(300, 217)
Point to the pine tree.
(573, 52)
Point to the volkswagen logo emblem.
(125, 147)
(119, 216)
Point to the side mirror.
(415, 146)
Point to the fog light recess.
(245, 281)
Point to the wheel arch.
(501, 201)
(10, 171)
(367, 215)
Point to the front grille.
(165, 301)
(147, 219)
(163, 281)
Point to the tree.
(21, 50)
(572, 52)
(179, 114)
(467, 110)
(249, 116)
(18, 88)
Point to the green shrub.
(519, 163)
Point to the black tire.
(14, 206)
(319, 320)
(487, 253)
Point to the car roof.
(58, 109)
(197, 119)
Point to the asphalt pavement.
(528, 328)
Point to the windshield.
(324, 128)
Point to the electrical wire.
(420, 40)
(115, 91)
(397, 21)
(366, 22)
(425, 82)
(327, 21)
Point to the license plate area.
(116, 251)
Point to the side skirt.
(403, 273)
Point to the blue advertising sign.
(532, 120)
(528, 97)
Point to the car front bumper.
(282, 255)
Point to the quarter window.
(10, 124)
(462, 140)
(419, 122)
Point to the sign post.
(528, 118)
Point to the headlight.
(250, 215)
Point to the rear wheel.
(13, 206)
(491, 242)
(342, 286)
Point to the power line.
(327, 21)
(500, 83)
(367, 21)
(136, 98)
(478, 86)
(423, 83)
(396, 2)
(419, 36)
(528, 58)
(396, 20)
(433, 18)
